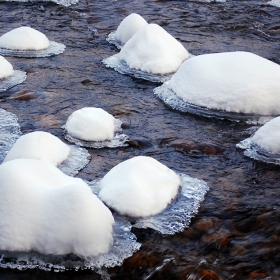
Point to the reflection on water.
(235, 234)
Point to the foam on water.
(124, 246)
(122, 67)
(177, 216)
(16, 78)
(275, 3)
(65, 3)
(172, 100)
(9, 132)
(76, 161)
(53, 49)
(119, 140)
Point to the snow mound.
(24, 38)
(9, 132)
(6, 68)
(150, 50)
(139, 187)
(177, 216)
(236, 82)
(127, 28)
(28, 42)
(94, 128)
(264, 144)
(35, 217)
(275, 3)
(39, 145)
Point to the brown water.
(236, 234)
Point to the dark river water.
(236, 233)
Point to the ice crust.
(24, 38)
(264, 144)
(35, 217)
(235, 82)
(39, 145)
(139, 187)
(16, 78)
(6, 68)
(127, 28)
(9, 132)
(151, 50)
(65, 3)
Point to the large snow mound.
(91, 124)
(44, 210)
(24, 38)
(139, 187)
(239, 82)
(6, 68)
(127, 28)
(39, 145)
(275, 3)
(150, 50)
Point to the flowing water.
(236, 233)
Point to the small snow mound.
(91, 124)
(35, 217)
(250, 85)
(139, 187)
(127, 28)
(150, 50)
(264, 144)
(9, 132)
(24, 38)
(39, 145)
(275, 3)
(177, 216)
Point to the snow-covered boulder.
(44, 210)
(39, 145)
(24, 38)
(139, 187)
(239, 82)
(153, 50)
(6, 68)
(91, 124)
(128, 27)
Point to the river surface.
(236, 233)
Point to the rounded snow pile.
(91, 124)
(128, 27)
(39, 145)
(44, 210)
(139, 187)
(239, 82)
(151, 49)
(268, 136)
(6, 68)
(24, 38)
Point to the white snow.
(151, 49)
(275, 3)
(268, 136)
(39, 145)
(91, 124)
(44, 210)
(24, 38)
(139, 187)
(6, 68)
(240, 82)
(128, 27)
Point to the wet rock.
(26, 95)
(260, 274)
(125, 125)
(238, 250)
(49, 120)
(209, 275)
(206, 224)
(220, 237)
